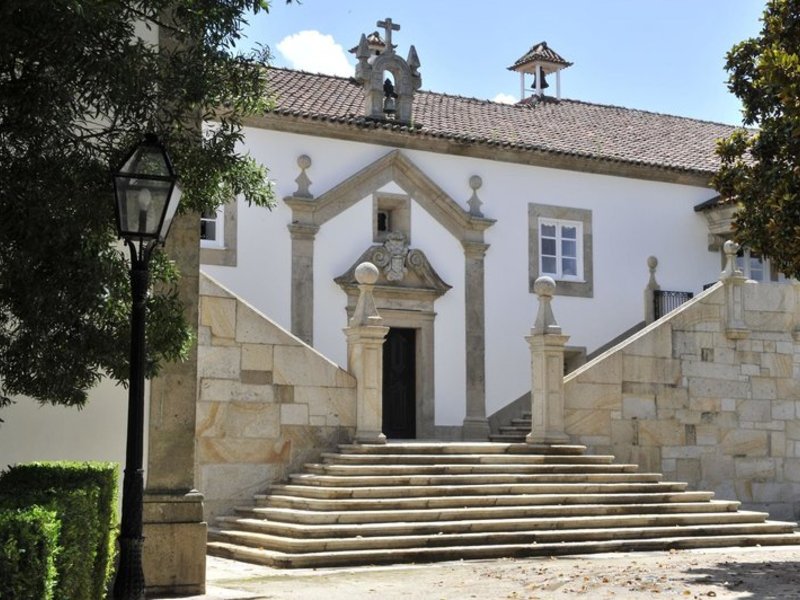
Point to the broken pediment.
(402, 269)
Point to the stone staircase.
(515, 431)
(428, 501)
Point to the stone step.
(507, 437)
(252, 521)
(464, 469)
(413, 447)
(290, 515)
(612, 483)
(440, 540)
(404, 503)
(468, 479)
(362, 557)
(458, 459)
(440, 459)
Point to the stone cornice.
(416, 141)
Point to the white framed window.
(757, 268)
(561, 249)
(212, 229)
(560, 246)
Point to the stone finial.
(730, 248)
(652, 263)
(649, 291)
(545, 288)
(365, 313)
(413, 59)
(303, 182)
(474, 203)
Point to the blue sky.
(661, 55)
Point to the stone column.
(547, 371)
(476, 426)
(365, 337)
(174, 529)
(733, 280)
(650, 291)
(302, 293)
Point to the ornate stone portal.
(410, 304)
(404, 293)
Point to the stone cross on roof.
(389, 26)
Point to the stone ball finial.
(367, 273)
(544, 286)
(303, 161)
(475, 182)
(730, 247)
(652, 262)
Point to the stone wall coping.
(716, 289)
(212, 288)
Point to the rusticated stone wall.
(267, 401)
(683, 398)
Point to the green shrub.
(83, 496)
(28, 547)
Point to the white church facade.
(463, 203)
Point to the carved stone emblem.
(392, 256)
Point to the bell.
(389, 105)
(544, 85)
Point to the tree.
(78, 87)
(761, 168)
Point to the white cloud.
(505, 99)
(315, 52)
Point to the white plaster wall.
(446, 255)
(338, 245)
(34, 432)
(632, 219)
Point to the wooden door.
(399, 384)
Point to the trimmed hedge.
(28, 547)
(83, 496)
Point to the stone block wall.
(267, 401)
(682, 398)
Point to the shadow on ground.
(762, 580)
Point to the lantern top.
(147, 193)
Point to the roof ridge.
(516, 104)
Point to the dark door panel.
(399, 384)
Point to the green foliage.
(28, 547)
(761, 169)
(78, 87)
(83, 497)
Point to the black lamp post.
(147, 196)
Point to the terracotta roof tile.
(542, 52)
(555, 126)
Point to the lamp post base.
(129, 584)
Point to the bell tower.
(384, 98)
(539, 61)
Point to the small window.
(560, 251)
(212, 228)
(391, 213)
(384, 221)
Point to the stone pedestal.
(733, 280)
(365, 337)
(174, 543)
(547, 371)
(547, 389)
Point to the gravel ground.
(751, 573)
